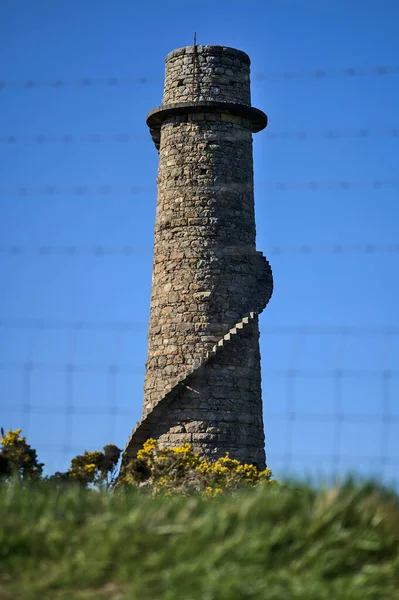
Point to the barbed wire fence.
(293, 412)
(69, 407)
(277, 186)
(128, 137)
(103, 250)
(317, 73)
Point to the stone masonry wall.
(200, 286)
(206, 271)
(207, 73)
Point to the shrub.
(96, 468)
(17, 458)
(180, 470)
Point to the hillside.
(279, 543)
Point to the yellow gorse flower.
(183, 449)
(90, 468)
(147, 448)
(11, 438)
(210, 492)
(180, 469)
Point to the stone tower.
(209, 284)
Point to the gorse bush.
(180, 470)
(96, 468)
(168, 471)
(17, 458)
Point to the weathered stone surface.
(207, 72)
(203, 381)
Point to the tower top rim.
(209, 49)
(155, 118)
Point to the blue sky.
(329, 337)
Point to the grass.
(272, 543)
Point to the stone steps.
(265, 289)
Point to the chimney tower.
(209, 284)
